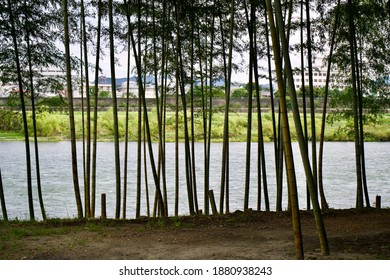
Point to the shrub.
(13, 100)
(49, 125)
(11, 121)
(56, 101)
(240, 92)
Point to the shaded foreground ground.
(352, 234)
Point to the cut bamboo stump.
(378, 202)
(212, 202)
(103, 207)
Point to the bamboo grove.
(186, 46)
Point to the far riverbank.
(54, 126)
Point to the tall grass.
(55, 126)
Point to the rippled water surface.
(57, 184)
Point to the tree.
(192, 61)
(140, 87)
(250, 24)
(206, 128)
(126, 148)
(278, 147)
(21, 94)
(137, 57)
(180, 81)
(32, 94)
(225, 149)
(71, 110)
(95, 110)
(87, 189)
(359, 192)
(293, 197)
(115, 110)
(311, 97)
(261, 161)
(335, 26)
(361, 55)
(240, 92)
(37, 29)
(298, 127)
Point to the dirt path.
(256, 235)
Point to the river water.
(57, 185)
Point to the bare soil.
(352, 234)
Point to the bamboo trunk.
(2, 199)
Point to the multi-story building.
(104, 84)
(55, 84)
(319, 76)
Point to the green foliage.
(216, 92)
(254, 92)
(377, 133)
(153, 123)
(342, 103)
(56, 101)
(235, 131)
(11, 121)
(318, 92)
(50, 125)
(341, 99)
(267, 117)
(247, 87)
(240, 92)
(217, 132)
(196, 92)
(13, 100)
(104, 94)
(241, 121)
(55, 126)
(267, 131)
(106, 124)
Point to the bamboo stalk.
(212, 202)
(2, 199)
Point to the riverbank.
(55, 127)
(352, 234)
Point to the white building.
(54, 87)
(105, 85)
(43, 89)
(6, 89)
(319, 76)
(150, 91)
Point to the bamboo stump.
(103, 207)
(378, 202)
(212, 202)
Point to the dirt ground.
(352, 235)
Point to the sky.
(121, 71)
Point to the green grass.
(55, 127)
(12, 136)
(13, 231)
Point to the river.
(58, 194)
